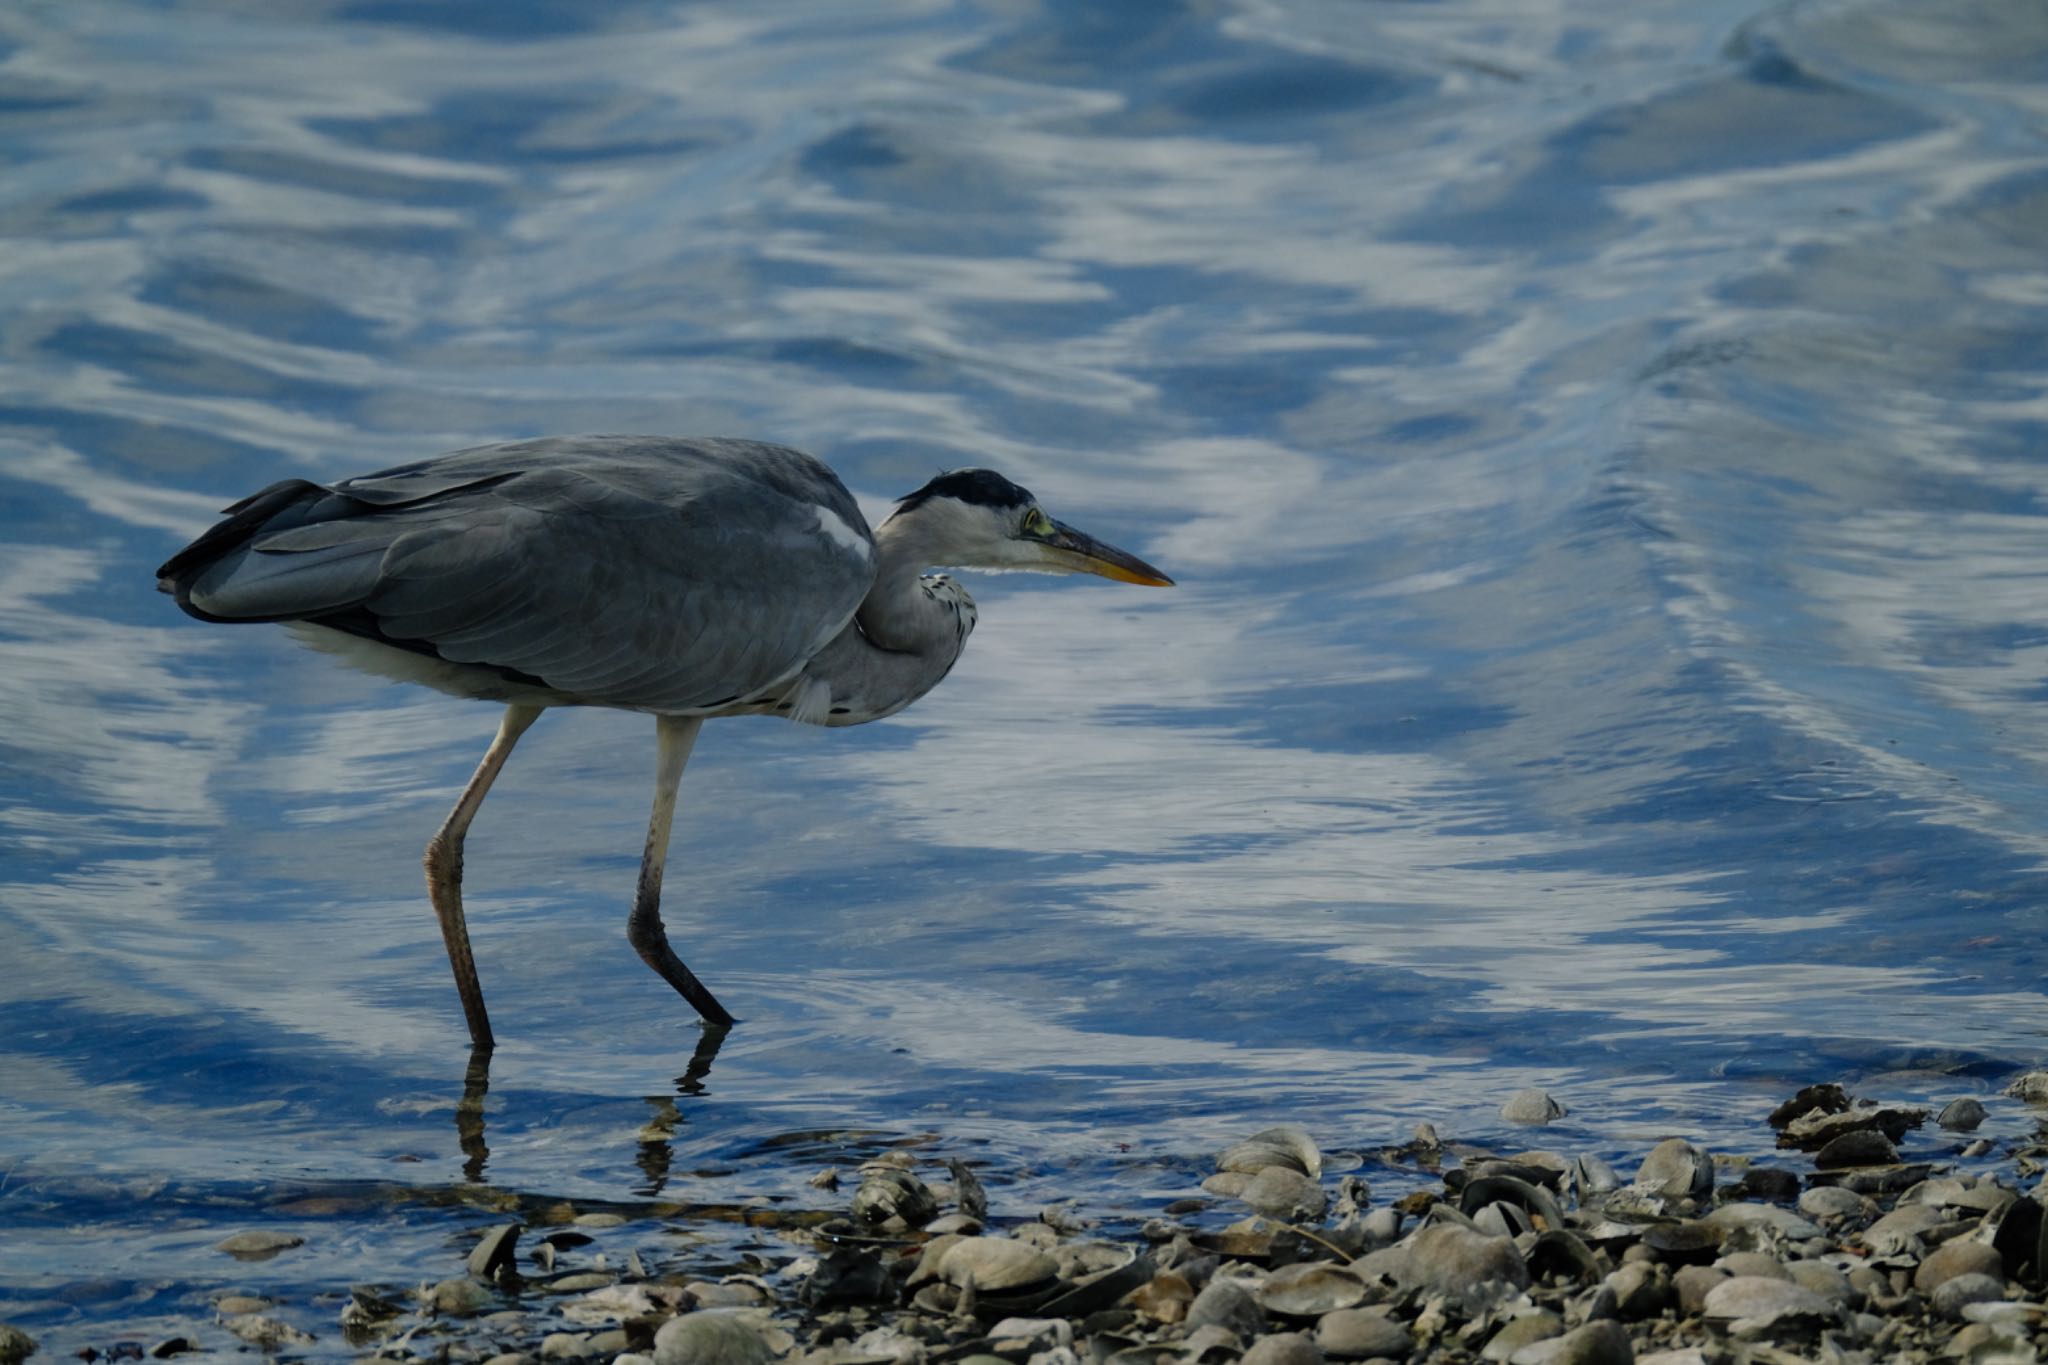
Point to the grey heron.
(683, 577)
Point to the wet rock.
(1534, 1107)
(1693, 1283)
(1523, 1329)
(1362, 1334)
(1285, 1194)
(266, 1333)
(566, 1346)
(1283, 1348)
(995, 1264)
(173, 1346)
(1597, 1343)
(15, 1344)
(492, 1257)
(1826, 1097)
(1960, 1257)
(1963, 1115)
(1833, 1204)
(2031, 1087)
(1691, 1242)
(1310, 1290)
(1815, 1131)
(1227, 1303)
(1465, 1266)
(711, 1336)
(1862, 1147)
(458, 1297)
(1739, 1263)
(1287, 1146)
(1957, 1292)
(1675, 1169)
(1751, 1306)
(258, 1244)
(230, 1305)
(888, 1192)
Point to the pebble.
(1694, 1283)
(1963, 1115)
(1283, 1348)
(1523, 1329)
(1957, 1292)
(1960, 1257)
(258, 1244)
(1533, 1107)
(1832, 1204)
(1279, 1192)
(1597, 1343)
(458, 1297)
(711, 1336)
(995, 1263)
(1227, 1303)
(266, 1333)
(1465, 1265)
(1675, 1169)
(1755, 1305)
(1362, 1334)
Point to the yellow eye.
(1037, 523)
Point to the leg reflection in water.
(654, 1152)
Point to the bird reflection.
(654, 1152)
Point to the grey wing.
(649, 573)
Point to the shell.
(1288, 1145)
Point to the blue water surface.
(1603, 446)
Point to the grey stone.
(1960, 1257)
(1864, 1147)
(1531, 1106)
(1823, 1279)
(1283, 1348)
(1597, 1343)
(1694, 1283)
(1310, 1289)
(1279, 1192)
(1783, 1222)
(1752, 1305)
(258, 1244)
(1225, 1302)
(1963, 1115)
(1832, 1203)
(711, 1336)
(1957, 1292)
(455, 1298)
(1464, 1265)
(1753, 1263)
(1523, 1329)
(995, 1263)
(2031, 1087)
(266, 1333)
(1675, 1169)
(1362, 1334)
(1286, 1146)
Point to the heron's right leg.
(444, 869)
(675, 736)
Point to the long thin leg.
(674, 736)
(444, 869)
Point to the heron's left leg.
(675, 736)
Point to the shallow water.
(1601, 446)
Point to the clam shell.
(1288, 1145)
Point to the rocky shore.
(1843, 1251)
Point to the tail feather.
(244, 520)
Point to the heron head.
(976, 518)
